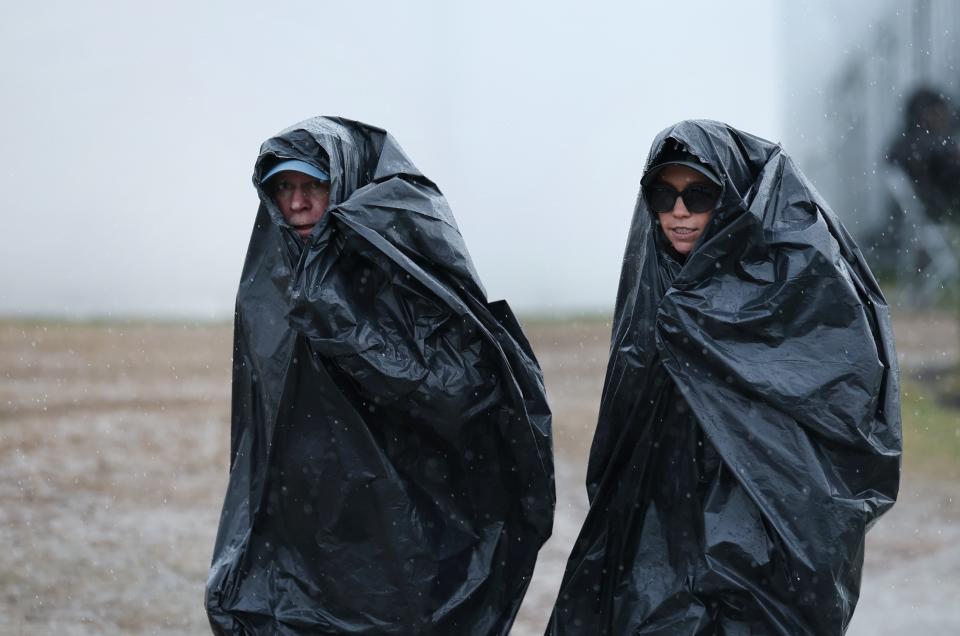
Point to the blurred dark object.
(928, 150)
(749, 429)
(391, 465)
(923, 180)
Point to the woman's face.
(681, 226)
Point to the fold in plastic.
(749, 428)
(391, 464)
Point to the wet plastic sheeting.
(391, 467)
(749, 429)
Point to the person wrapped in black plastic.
(391, 463)
(749, 428)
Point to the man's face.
(302, 199)
(681, 226)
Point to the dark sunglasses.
(696, 198)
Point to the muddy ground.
(113, 462)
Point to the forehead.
(681, 176)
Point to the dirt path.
(911, 578)
(113, 459)
(112, 471)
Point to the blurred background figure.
(924, 183)
(927, 150)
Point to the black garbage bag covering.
(749, 427)
(391, 463)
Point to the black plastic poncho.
(391, 468)
(749, 428)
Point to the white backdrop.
(129, 132)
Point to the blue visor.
(296, 166)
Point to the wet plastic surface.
(391, 466)
(749, 429)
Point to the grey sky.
(130, 132)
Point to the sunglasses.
(696, 198)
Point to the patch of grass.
(931, 432)
(946, 386)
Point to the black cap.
(676, 155)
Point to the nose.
(679, 209)
(299, 199)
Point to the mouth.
(683, 231)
